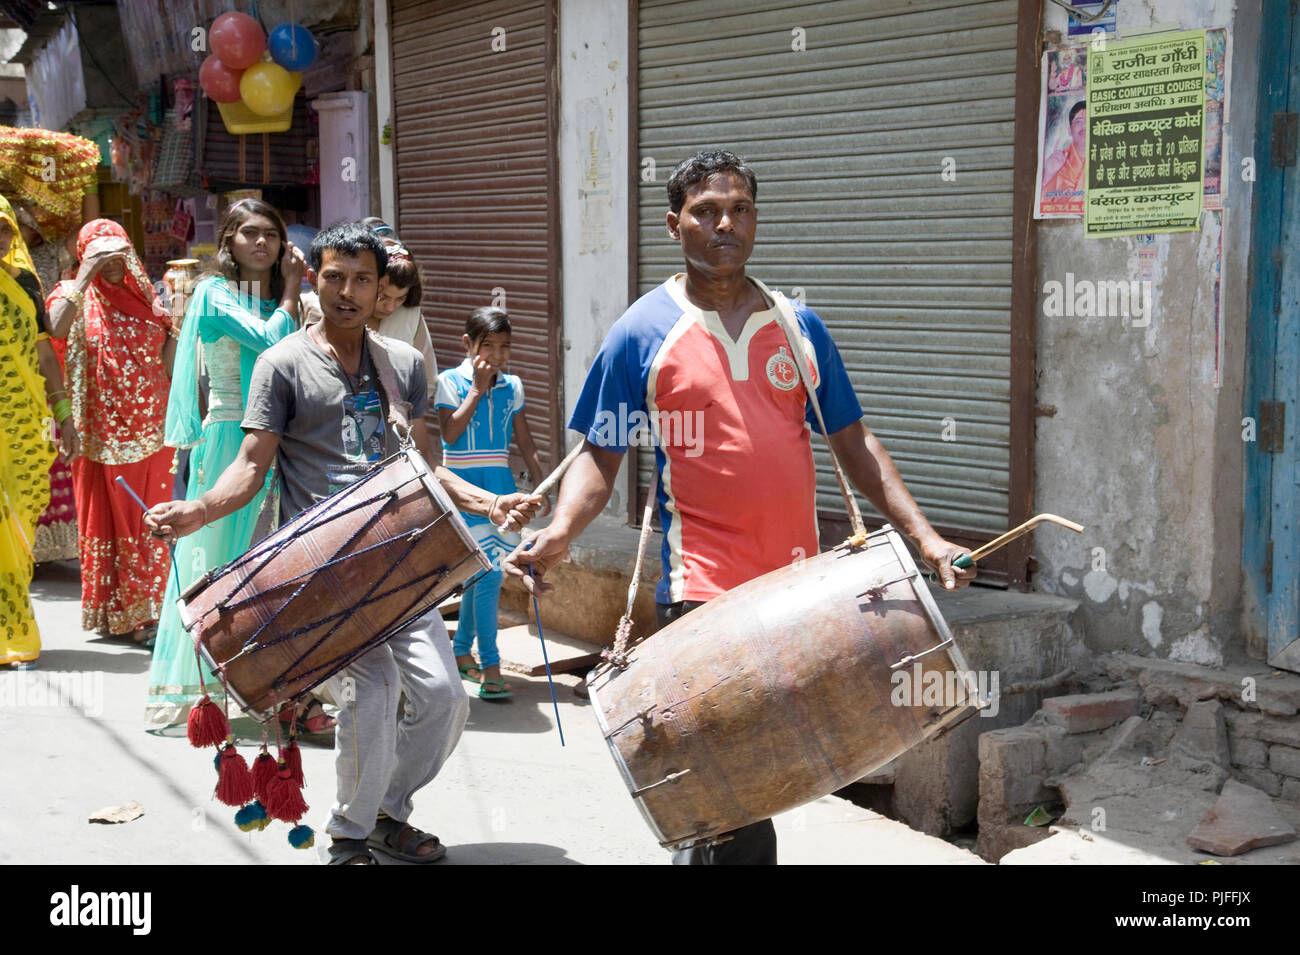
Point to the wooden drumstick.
(553, 478)
(968, 560)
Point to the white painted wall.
(593, 188)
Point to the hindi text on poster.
(1146, 120)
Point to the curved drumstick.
(968, 560)
(553, 478)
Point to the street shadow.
(247, 732)
(57, 580)
(64, 661)
(121, 743)
(496, 853)
(528, 710)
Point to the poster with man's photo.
(1062, 134)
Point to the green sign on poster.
(1146, 117)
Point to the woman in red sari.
(119, 355)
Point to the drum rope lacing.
(268, 554)
(617, 655)
(251, 645)
(273, 550)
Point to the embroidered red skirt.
(123, 567)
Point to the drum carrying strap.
(789, 323)
(399, 409)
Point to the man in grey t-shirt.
(338, 421)
(315, 406)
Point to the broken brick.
(1087, 712)
(1243, 818)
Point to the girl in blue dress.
(480, 408)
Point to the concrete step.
(1003, 635)
(521, 651)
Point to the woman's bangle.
(76, 297)
(493, 506)
(62, 410)
(205, 510)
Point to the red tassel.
(207, 725)
(292, 757)
(263, 772)
(284, 797)
(234, 781)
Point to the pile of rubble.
(1170, 762)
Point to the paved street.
(509, 794)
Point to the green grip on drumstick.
(961, 562)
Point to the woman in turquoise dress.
(231, 319)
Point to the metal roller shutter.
(848, 138)
(473, 131)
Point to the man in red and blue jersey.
(703, 360)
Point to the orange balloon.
(237, 40)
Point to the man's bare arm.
(583, 495)
(237, 485)
(872, 471)
(513, 510)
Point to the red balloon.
(219, 81)
(237, 40)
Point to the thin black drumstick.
(171, 545)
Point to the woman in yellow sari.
(27, 374)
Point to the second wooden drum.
(781, 691)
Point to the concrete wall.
(593, 194)
(1143, 448)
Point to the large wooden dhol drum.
(330, 584)
(781, 691)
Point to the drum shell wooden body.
(778, 692)
(304, 618)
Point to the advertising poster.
(1062, 134)
(1216, 113)
(1104, 22)
(1145, 136)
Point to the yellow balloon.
(267, 88)
(297, 79)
